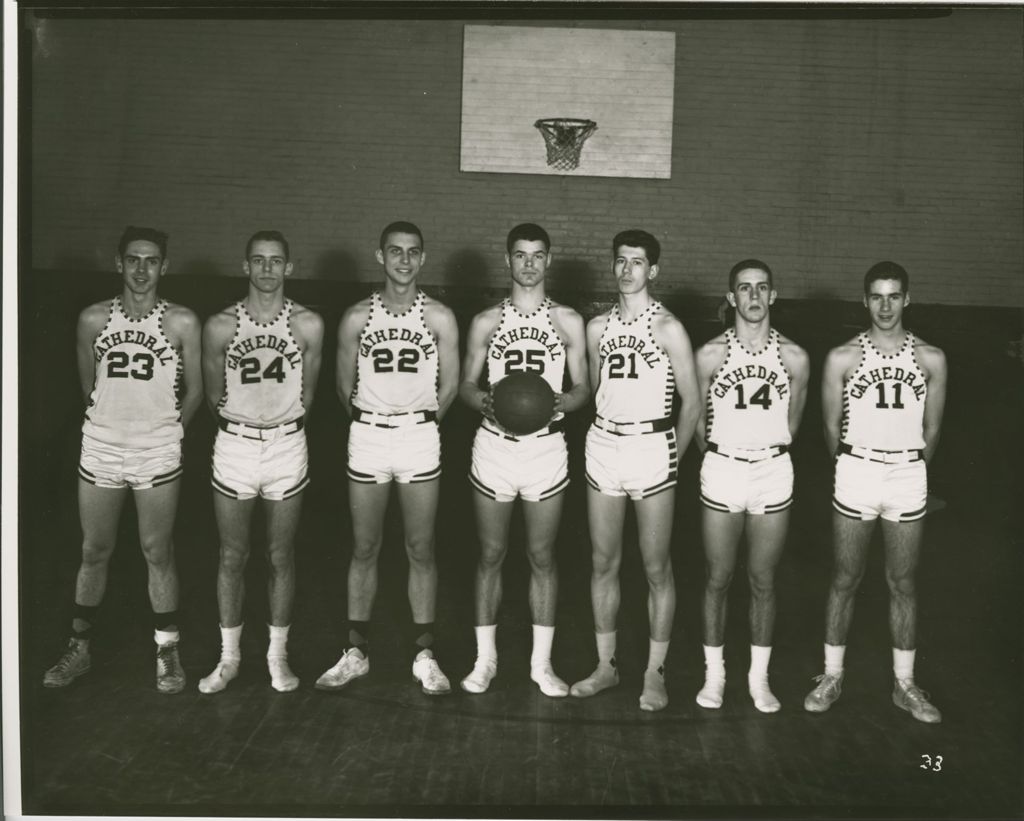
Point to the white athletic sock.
(759, 657)
(834, 654)
(278, 647)
(903, 663)
(230, 643)
(714, 662)
(656, 655)
(543, 638)
(162, 637)
(605, 647)
(486, 641)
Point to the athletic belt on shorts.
(254, 432)
(393, 420)
(631, 428)
(887, 457)
(554, 427)
(743, 455)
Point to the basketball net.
(564, 138)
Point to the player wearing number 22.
(883, 394)
(138, 362)
(754, 384)
(397, 374)
(639, 356)
(261, 357)
(526, 332)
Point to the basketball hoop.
(564, 138)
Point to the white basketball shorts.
(533, 467)
(866, 490)
(114, 466)
(733, 486)
(404, 454)
(275, 467)
(636, 465)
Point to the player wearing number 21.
(261, 357)
(397, 373)
(883, 394)
(138, 362)
(639, 356)
(753, 382)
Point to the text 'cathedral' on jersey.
(397, 364)
(883, 400)
(262, 371)
(135, 399)
(748, 398)
(637, 383)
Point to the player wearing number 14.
(138, 362)
(261, 357)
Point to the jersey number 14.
(761, 397)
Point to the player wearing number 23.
(138, 361)
(261, 357)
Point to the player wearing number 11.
(261, 357)
(883, 394)
(138, 362)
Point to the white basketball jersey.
(748, 398)
(134, 401)
(397, 364)
(262, 371)
(526, 342)
(883, 401)
(637, 383)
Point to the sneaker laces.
(68, 658)
(915, 693)
(825, 682)
(165, 658)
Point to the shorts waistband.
(633, 428)
(886, 457)
(256, 432)
(393, 420)
(745, 455)
(555, 427)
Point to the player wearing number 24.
(261, 357)
(138, 361)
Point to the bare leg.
(99, 509)
(419, 508)
(654, 523)
(156, 510)
(902, 548)
(852, 538)
(542, 520)
(368, 503)
(721, 533)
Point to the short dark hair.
(530, 232)
(134, 232)
(400, 227)
(743, 265)
(635, 238)
(267, 236)
(886, 270)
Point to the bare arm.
(470, 392)
(308, 328)
(708, 360)
(217, 335)
(569, 325)
(182, 328)
(442, 322)
(90, 323)
(672, 337)
(934, 362)
(349, 329)
(798, 364)
(837, 364)
(594, 330)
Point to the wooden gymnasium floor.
(111, 744)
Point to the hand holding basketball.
(523, 403)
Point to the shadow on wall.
(466, 267)
(336, 265)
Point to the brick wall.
(821, 146)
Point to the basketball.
(523, 402)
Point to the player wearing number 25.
(883, 394)
(261, 357)
(138, 362)
(397, 373)
(640, 356)
(753, 382)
